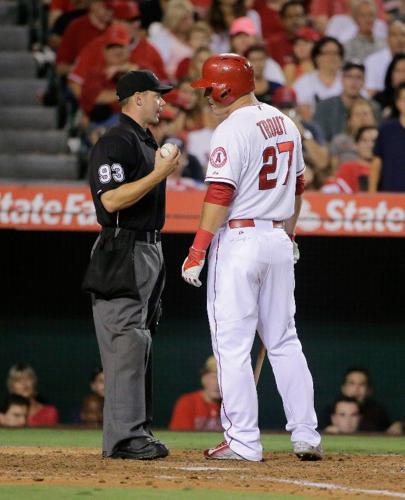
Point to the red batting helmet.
(228, 75)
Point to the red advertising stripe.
(365, 214)
(70, 208)
(51, 208)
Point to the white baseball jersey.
(258, 150)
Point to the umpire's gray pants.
(125, 347)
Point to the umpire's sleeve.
(114, 159)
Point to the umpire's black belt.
(146, 236)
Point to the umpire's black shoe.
(142, 448)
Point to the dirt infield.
(337, 476)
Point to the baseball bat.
(259, 363)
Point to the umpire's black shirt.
(126, 153)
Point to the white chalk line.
(297, 482)
(332, 486)
(196, 469)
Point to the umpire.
(126, 270)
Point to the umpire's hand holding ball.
(167, 165)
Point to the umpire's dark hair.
(359, 369)
(95, 373)
(287, 5)
(361, 131)
(344, 399)
(13, 399)
(317, 48)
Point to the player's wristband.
(202, 239)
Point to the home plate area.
(337, 476)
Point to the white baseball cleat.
(222, 452)
(306, 451)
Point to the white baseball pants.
(251, 287)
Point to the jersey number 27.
(270, 164)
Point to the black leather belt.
(146, 236)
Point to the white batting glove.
(296, 251)
(192, 266)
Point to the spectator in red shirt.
(269, 12)
(280, 45)
(22, 380)
(142, 54)
(91, 58)
(80, 32)
(200, 410)
(64, 19)
(352, 176)
(57, 8)
(98, 98)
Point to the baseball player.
(255, 177)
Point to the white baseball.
(167, 149)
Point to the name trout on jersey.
(271, 127)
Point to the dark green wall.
(64, 351)
(350, 311)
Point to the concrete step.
(21, 92)
(17, 65)
(21, 117)
(39, 166)
(14, 38)
(8, 12)
(33, 141)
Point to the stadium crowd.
(25, 406)
(337, 68)
(353, 410)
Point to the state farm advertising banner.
(70, 208)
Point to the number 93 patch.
(107, 172)
(218, 157)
